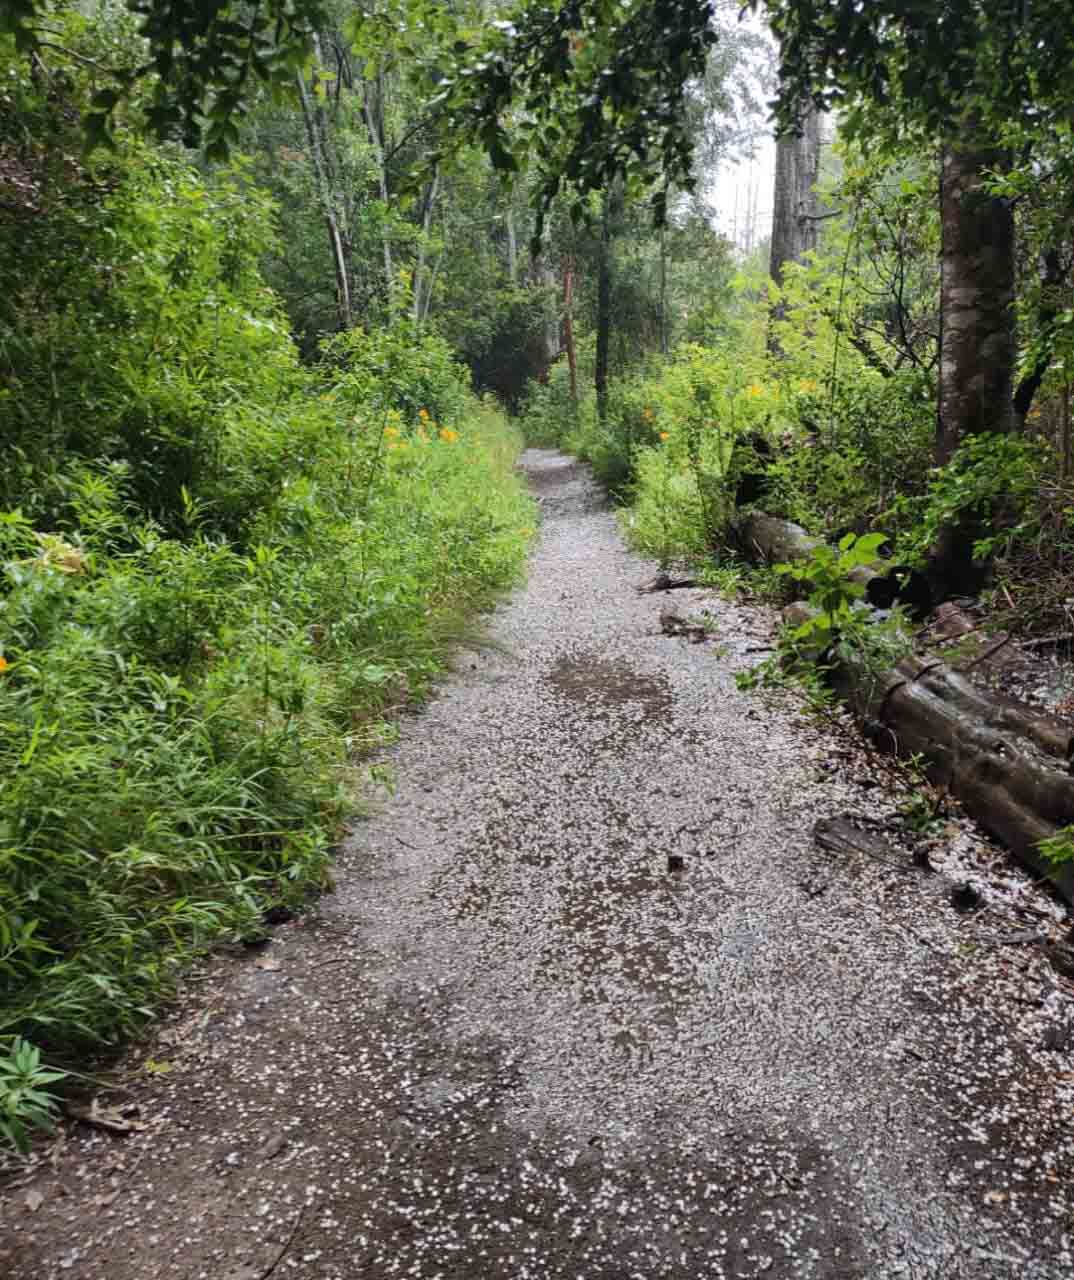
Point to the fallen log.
(765, 537)
(1008, 763)
(777, 541)
(993, 710)
(664, 582)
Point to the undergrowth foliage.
(221, 571)
(178, 714)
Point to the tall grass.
(221, 570)
(180, 720)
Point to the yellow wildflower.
(448, 436)
(58, 554)
(754, 390)
(647, 414)
(665, 435)
(423, 414)
(391, 432)
(4, 664)
(807, 384)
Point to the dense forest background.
(284, 287)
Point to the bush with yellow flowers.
(221, 575)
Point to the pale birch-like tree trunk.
(325, 196)
(419, 306)
(512, 245)
(568, 328)
(376, 141)
(604, 308)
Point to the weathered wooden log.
(769, 538)
(1008, 764)
(778, 541)
(994, 711)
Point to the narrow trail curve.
(512, 1046)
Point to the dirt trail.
(514, 1046)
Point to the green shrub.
(847, 458)
(179, 717)
(220, 570)
(25, 1102)
(548, 415)
(991, 485)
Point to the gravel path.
(514, 1046)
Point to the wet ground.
(514, 1045)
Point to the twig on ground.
(988, 653)
(286, 1245)
(1045, 642)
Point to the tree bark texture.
(779, 541)
(315, 135)
(1008, 764)
(374, 127)
(794, 200)
(512, 247)
(604, 309)
(422, 288)
(976, 302)
(568, 328)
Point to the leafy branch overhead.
(586, 92)
(932, 65)
(205, 57)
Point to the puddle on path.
(601, 684)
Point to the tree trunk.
(794, 197)
(604, 308)
(512, 247)
(376, 141)
(976, 302)
(977, 265)
(325, 196)
(568, 328)
(418, 309)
